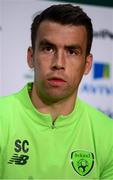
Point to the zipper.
(53, 125)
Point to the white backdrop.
(15, 21)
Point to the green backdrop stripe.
(108, 3)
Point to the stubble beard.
(50, 95)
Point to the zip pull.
(53, 125)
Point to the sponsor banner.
(96, 88)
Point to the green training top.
(77, 146)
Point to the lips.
(56, 81)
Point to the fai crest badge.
(82, 161)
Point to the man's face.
(59, 60)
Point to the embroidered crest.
(82, 161)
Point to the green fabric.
(78, 146)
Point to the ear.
(30, 57)
(88, 64)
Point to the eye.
(73, 52)
(48, 49)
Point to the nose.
(58, 62)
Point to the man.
(46, 131)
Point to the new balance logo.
(18, 159)
(21, 148)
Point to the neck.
(63, 107)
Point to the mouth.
(56, 81)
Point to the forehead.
(62, 34)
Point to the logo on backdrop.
(101, 71)
(105, 33)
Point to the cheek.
(76, 73)
(42, 62)
(40, 69)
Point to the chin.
(55, 97)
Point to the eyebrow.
(74, 47)
(46, 42)
(71, 46)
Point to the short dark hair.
(64, 14)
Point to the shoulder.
(98, 126)
(10, 107)
(13, 100)
(95, 116)
(7, 102)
